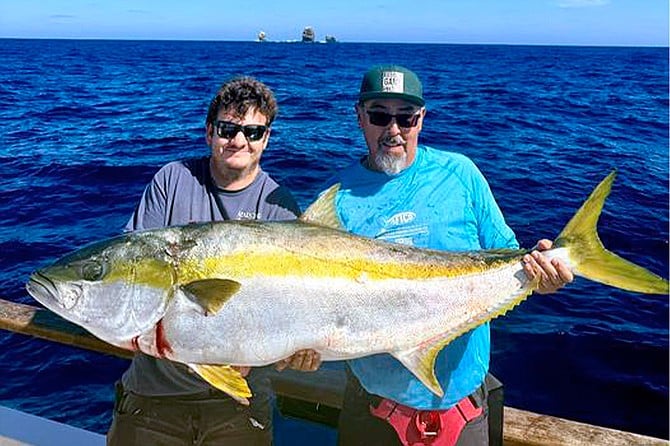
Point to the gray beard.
(390, 164)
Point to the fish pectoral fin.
(211, 294)
(421, 362)
(226, 379)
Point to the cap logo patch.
(393, 82)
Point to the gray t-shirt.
(183, 192)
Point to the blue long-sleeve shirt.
(442, 201)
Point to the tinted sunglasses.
(228, 130)
(382, 119)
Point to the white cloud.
(582, 3)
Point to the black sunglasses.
(228, 130)
(382, 119)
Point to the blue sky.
(568, 22)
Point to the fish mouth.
(42, 289)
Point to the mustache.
(396, 140)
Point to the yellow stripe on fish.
(279, 263)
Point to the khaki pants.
(192, 420)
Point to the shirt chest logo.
(401, 218)
(247, 215)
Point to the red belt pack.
(427, 427)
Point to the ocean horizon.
(344, 42)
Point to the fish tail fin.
(589, 258)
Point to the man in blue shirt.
(408, 193)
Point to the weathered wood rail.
(323, 389)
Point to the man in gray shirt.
(163, 402)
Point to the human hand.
(553, 274)
(307, 360)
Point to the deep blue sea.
(85, 124)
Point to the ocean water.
(85, 124)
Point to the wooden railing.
(319, 395)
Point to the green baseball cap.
(391, 81)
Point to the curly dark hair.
(239, 95)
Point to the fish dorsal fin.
(322, 212)
(211, 294)
(421, 362)
(226, 379)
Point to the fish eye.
(92, 271)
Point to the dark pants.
(358, 427)
(193, 420)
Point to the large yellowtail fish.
(250, 293)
